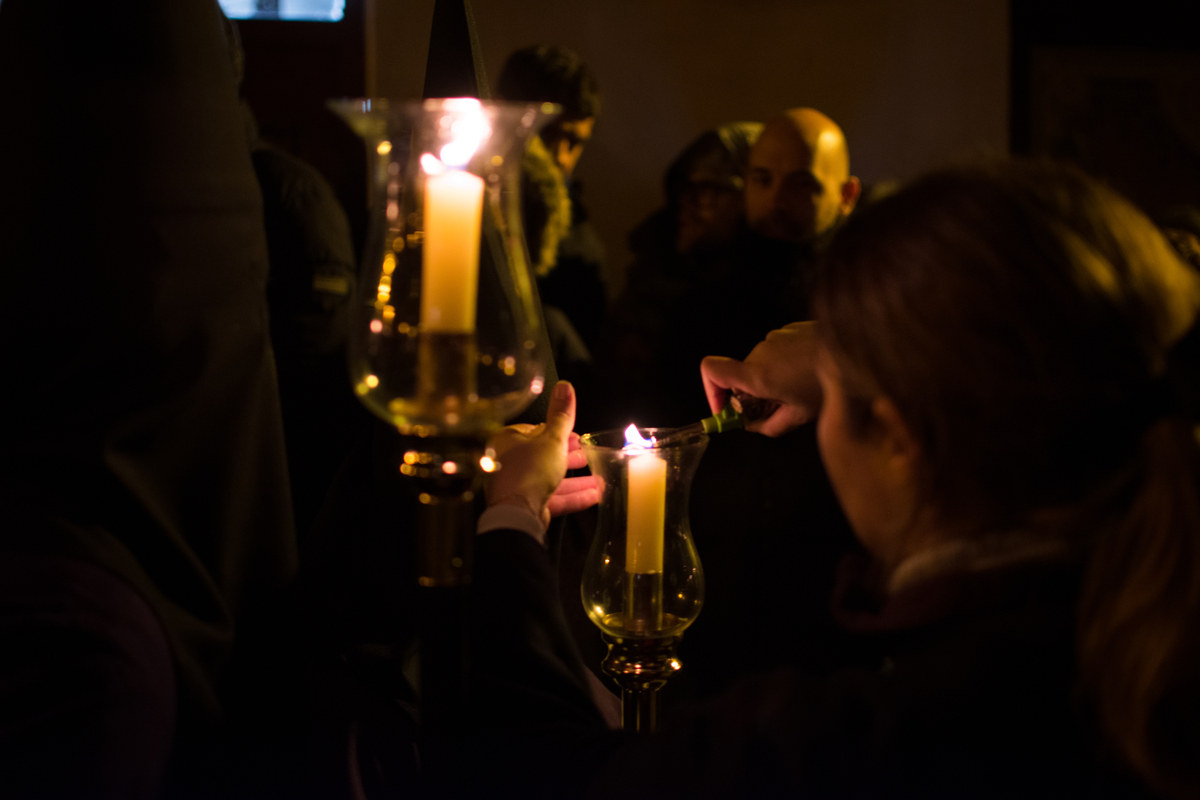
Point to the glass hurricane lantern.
(642, 583)
(446, 341)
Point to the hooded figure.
(147, 501)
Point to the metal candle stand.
(641, 668)
(643, 583)
(446, 474)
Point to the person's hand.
(781, 369)
(534, 460)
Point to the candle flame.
(462, 104)
(635, 441)
(431, 165)
(468, 127)
(468, 130)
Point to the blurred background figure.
(705, 186)
(566, 250)
(683, 251)
(798, 190)
(799, 185)
(310, 286)
(711, 280)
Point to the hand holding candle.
(532, 460)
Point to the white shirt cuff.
(504, 516)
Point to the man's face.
(565, 139)
(791, 193)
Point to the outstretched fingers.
(574, 494)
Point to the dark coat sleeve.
(537, 731)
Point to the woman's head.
(1016, 316)
(1001, 332)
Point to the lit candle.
(646, 507)
(450, 274)
(453, 217)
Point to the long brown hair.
(1022, 317)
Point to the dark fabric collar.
(860, 605)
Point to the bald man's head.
(798, 184)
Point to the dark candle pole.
(446, 522)
(448, 388)
(446, 518)
(455, 64)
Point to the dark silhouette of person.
(147, 541)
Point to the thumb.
(719, 375)
(560, 416)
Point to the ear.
(851, 189)
(900, 450)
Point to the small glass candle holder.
(642, 584)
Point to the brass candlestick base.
(445, 472)
(640, 667)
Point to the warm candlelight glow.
(431, 165)
(634, 439)
(470, 129)
(646, 507)
(450, 278)
(453, 217)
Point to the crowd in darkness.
(747, 210)
(961, 557)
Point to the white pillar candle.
(647, 500)
(450, 263)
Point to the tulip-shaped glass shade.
(446, 335)
(643, 577)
